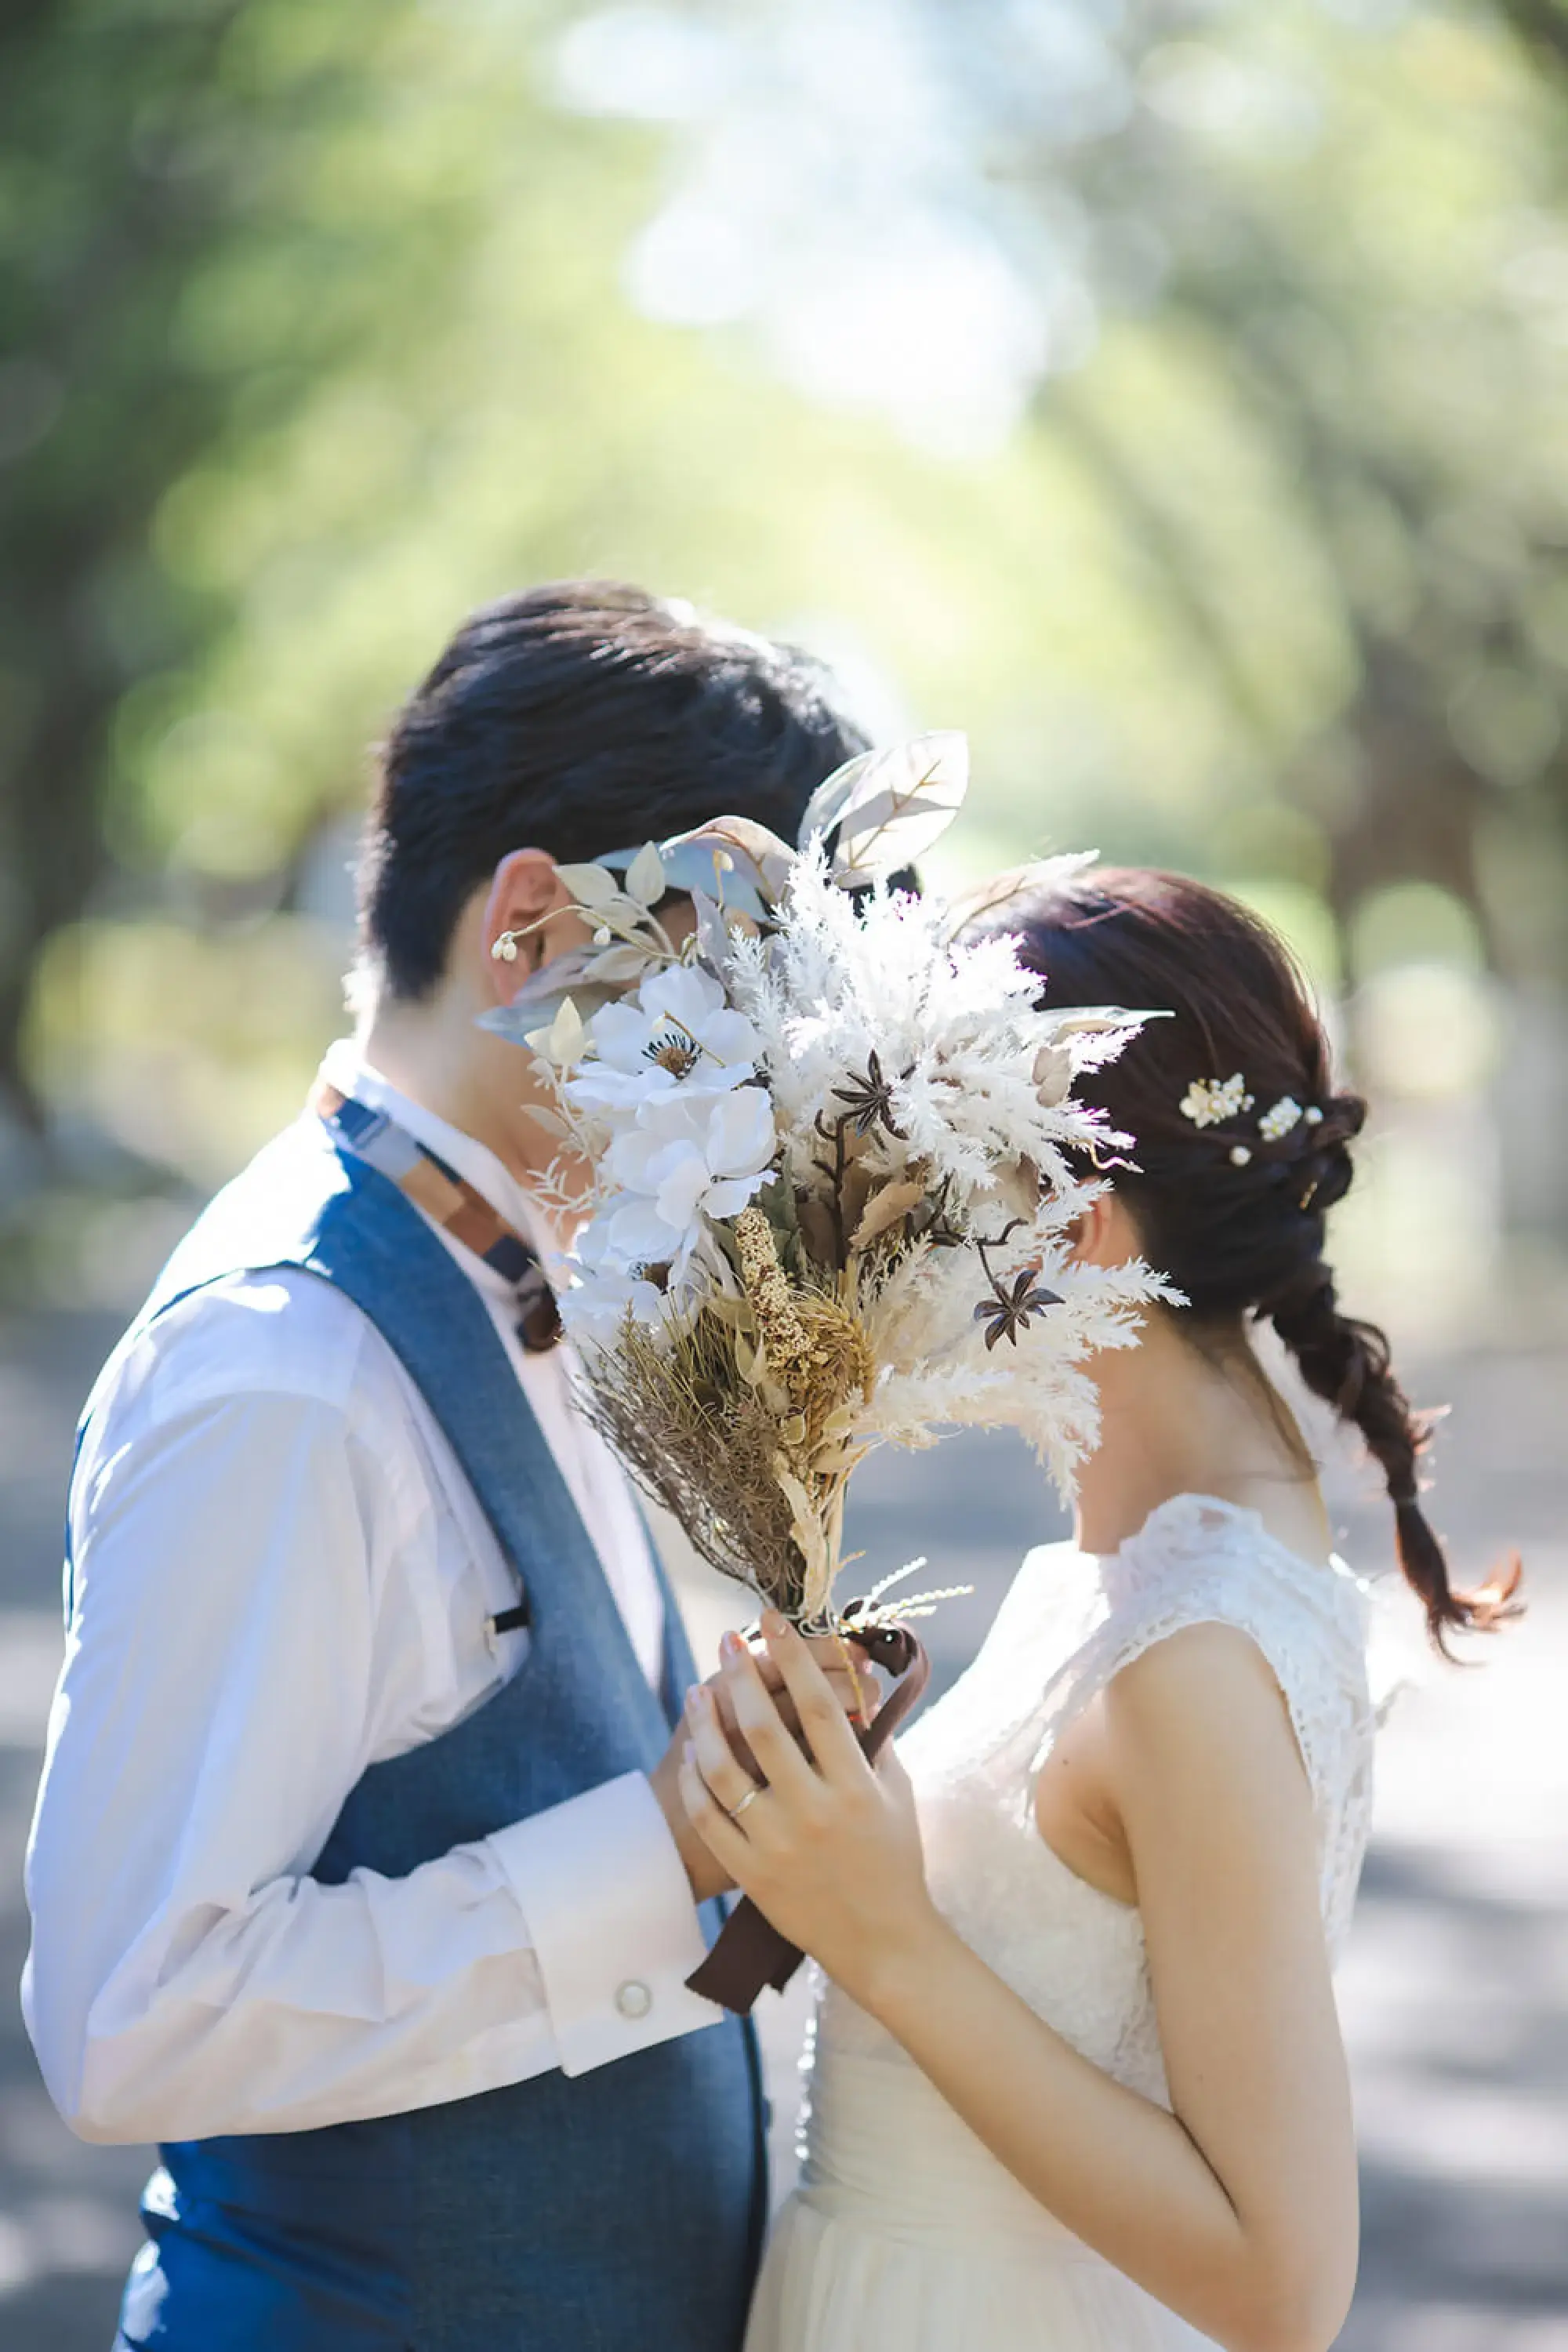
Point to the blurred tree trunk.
(106, 208)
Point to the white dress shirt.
(282, 1577)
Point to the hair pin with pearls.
(1209, 1102)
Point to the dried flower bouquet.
(830, 1194)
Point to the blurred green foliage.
(320, 324)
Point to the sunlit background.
(1175, 396)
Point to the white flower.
(1279, 1122)
(682, 1036)
(1210, 1101)
(690, 1156)
(594, 1309)
(609, 1286)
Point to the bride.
(1078, 2080)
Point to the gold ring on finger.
(749, 1798)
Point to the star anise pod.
(1008, 1312)
(868, 1101)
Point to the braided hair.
(1232, 1204)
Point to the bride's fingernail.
(731, 1646)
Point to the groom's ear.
(525, 892)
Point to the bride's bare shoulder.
(1204, 1698)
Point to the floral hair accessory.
(1208, 1102)
(1278, 1122)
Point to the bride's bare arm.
(1238, 2209)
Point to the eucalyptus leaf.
(591, 886)
(644, 876)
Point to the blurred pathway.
(1454, 1990)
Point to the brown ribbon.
(750, 1953)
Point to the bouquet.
(834, 1161)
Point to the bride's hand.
(855, 1693)
(827, 1848)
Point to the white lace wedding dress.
(906, 2234)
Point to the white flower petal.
(620, 1034)
(639, 1236)
(741, 1137)
(730, 1194)
(684, 1179)
(677, 1115)
(729, 1036)
(683, 993)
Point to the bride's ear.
(1104, 1234)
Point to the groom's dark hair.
(580, 717)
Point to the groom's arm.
(223, 1689)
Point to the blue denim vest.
(617, 2212)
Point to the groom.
(359, 1877)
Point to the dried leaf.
(1018, 1188)
(855, 1192)
(736, 861)
(614, 967)
(902, 802)
(1053, 1075)
(815, 1227)
(562, 1042)
(712, 935)
(550, 1121)
(644, 876)
(518, 1022)
(995, 895)
(886, 1209)
(591, 886)
(829, 801)
(806, 1527)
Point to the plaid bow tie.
(450, 1201)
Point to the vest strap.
(450, 1200)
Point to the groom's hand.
(855, 1689)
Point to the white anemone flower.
(682, 1035)
(610, 1286)
(595, 1310)
(692, 1156)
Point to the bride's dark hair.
(1232, 1211)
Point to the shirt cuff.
(612, 1921)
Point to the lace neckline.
(1183, 1526)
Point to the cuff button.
(634, 2000)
